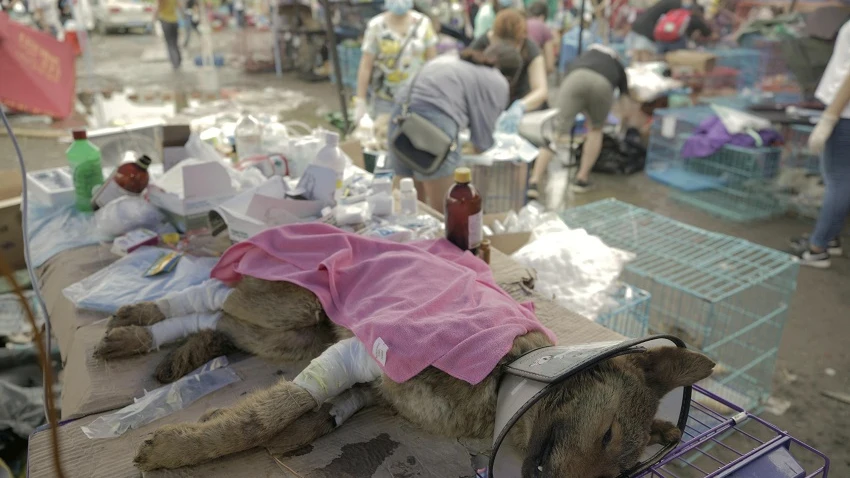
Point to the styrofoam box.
(51, 187)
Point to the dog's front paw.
(664, 433)
(143, 313)
(171, 446)
(124, 342)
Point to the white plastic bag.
(125, 214)
(574, 269)
(123, 282)
(164, 400)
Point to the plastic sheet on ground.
(575, 269)
(647, 83)
(21, 409)
(54, 230)
(164, 400)
(123, 282)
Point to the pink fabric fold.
(412, 305)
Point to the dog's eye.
(606, 439)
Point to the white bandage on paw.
(208, 296)
(339, 368)
(347, 404)
(170, 330)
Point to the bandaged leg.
(171, 330)
(208, 296)
(339, 368)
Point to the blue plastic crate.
(723, 295)
(629, 312)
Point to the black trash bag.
(620, 156)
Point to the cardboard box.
(11, 230)
(189, 191)
(260, 208)
(688, 62)
(507, 243)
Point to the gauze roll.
(339, 368)
(170, 330)
(208, 296)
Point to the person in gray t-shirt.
(456, 93)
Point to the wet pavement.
(133, 72)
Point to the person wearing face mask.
(453, 94)
(396, 44)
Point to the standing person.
(396, 44)
(531, 90)
(697, 29)
(46, 16)
(540, 33)
(192, 17)
(640, 41)
(452, 94)
(166, 13)
(486, 16)
(588, 88)
(239, 10)
(831, 139)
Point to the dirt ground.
(814, 356)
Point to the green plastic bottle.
(84, 158)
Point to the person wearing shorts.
(588, 88)
(452, 94)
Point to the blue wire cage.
(723, 295)
(746, 60)
(733, 183)
(349, 55)
(628, 313)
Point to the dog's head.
(598, 423)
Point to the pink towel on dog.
(412, 305)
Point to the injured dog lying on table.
(423, 329)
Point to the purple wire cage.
(722, 440)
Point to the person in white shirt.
(831, 139)
(46, 15)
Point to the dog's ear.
(667, 368)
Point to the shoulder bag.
(417, 142)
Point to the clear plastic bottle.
(408, 200)
(248, 136)
(464, 216)
(86, 169)
(331, 157)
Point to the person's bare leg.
(436, 190)
(590, 152)
(541, 164)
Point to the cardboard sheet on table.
(62, 270)
(93, 386)
(113, 458)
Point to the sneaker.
(800, 244)
(532, 192)
(815, 259)
(579, 186)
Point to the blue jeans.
(835, 167)
(440, 120)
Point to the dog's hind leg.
(274, 305)
(202, 298)
(251, 422)
(199, 349)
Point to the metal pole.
(329, 26)
(274, 6)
